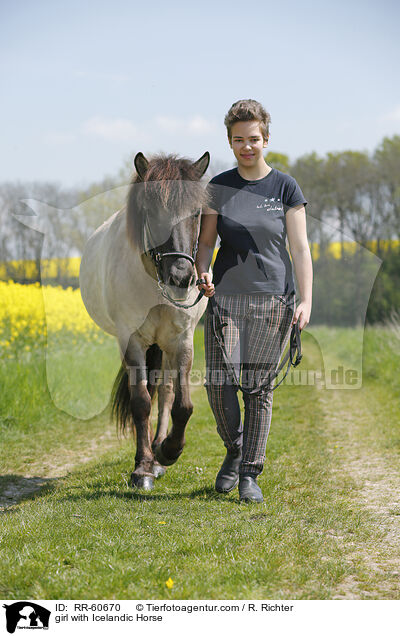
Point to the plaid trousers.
(256, 332)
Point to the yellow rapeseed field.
(30, 312)
(68, 268)
(49, 268)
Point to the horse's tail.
(121, 401)
(121, 410)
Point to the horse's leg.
(154, 358)
(165, 402)
(140, 403)
(170, 449)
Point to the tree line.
(354, 202)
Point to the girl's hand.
(302, 315)
(209, 289)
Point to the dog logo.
(26, 615)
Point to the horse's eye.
(197, 213)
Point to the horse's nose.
(181, 273)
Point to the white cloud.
(124, 130)
(199, 125)
(168, 124)
(196, 125)
(110, 129)
(392, 116)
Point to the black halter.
(157, 256)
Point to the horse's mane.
(170, 183)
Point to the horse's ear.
(141, 164)
(201, 164)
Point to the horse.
(138, 283)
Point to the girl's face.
(247, 143)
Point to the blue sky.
(86, 84)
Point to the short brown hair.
(248, 110)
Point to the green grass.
(31, 427)
(88, 535)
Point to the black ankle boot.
(228, 476)
(249, 490)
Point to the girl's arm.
(301, 256)
(205, 250)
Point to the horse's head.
(164, 209)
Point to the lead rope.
(165, 294)
(294, 347)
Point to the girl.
(253, 207)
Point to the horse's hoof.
(161, 457)
(158, 470)
(145, 482)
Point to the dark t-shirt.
(252, 257)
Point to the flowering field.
(68, 268)
(29, 313)
(49, 268)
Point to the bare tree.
(387, 163)
(21, 245)
(347, 175)
(310, 172)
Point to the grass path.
(354, 422)
(45, 470)
(328, 529)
